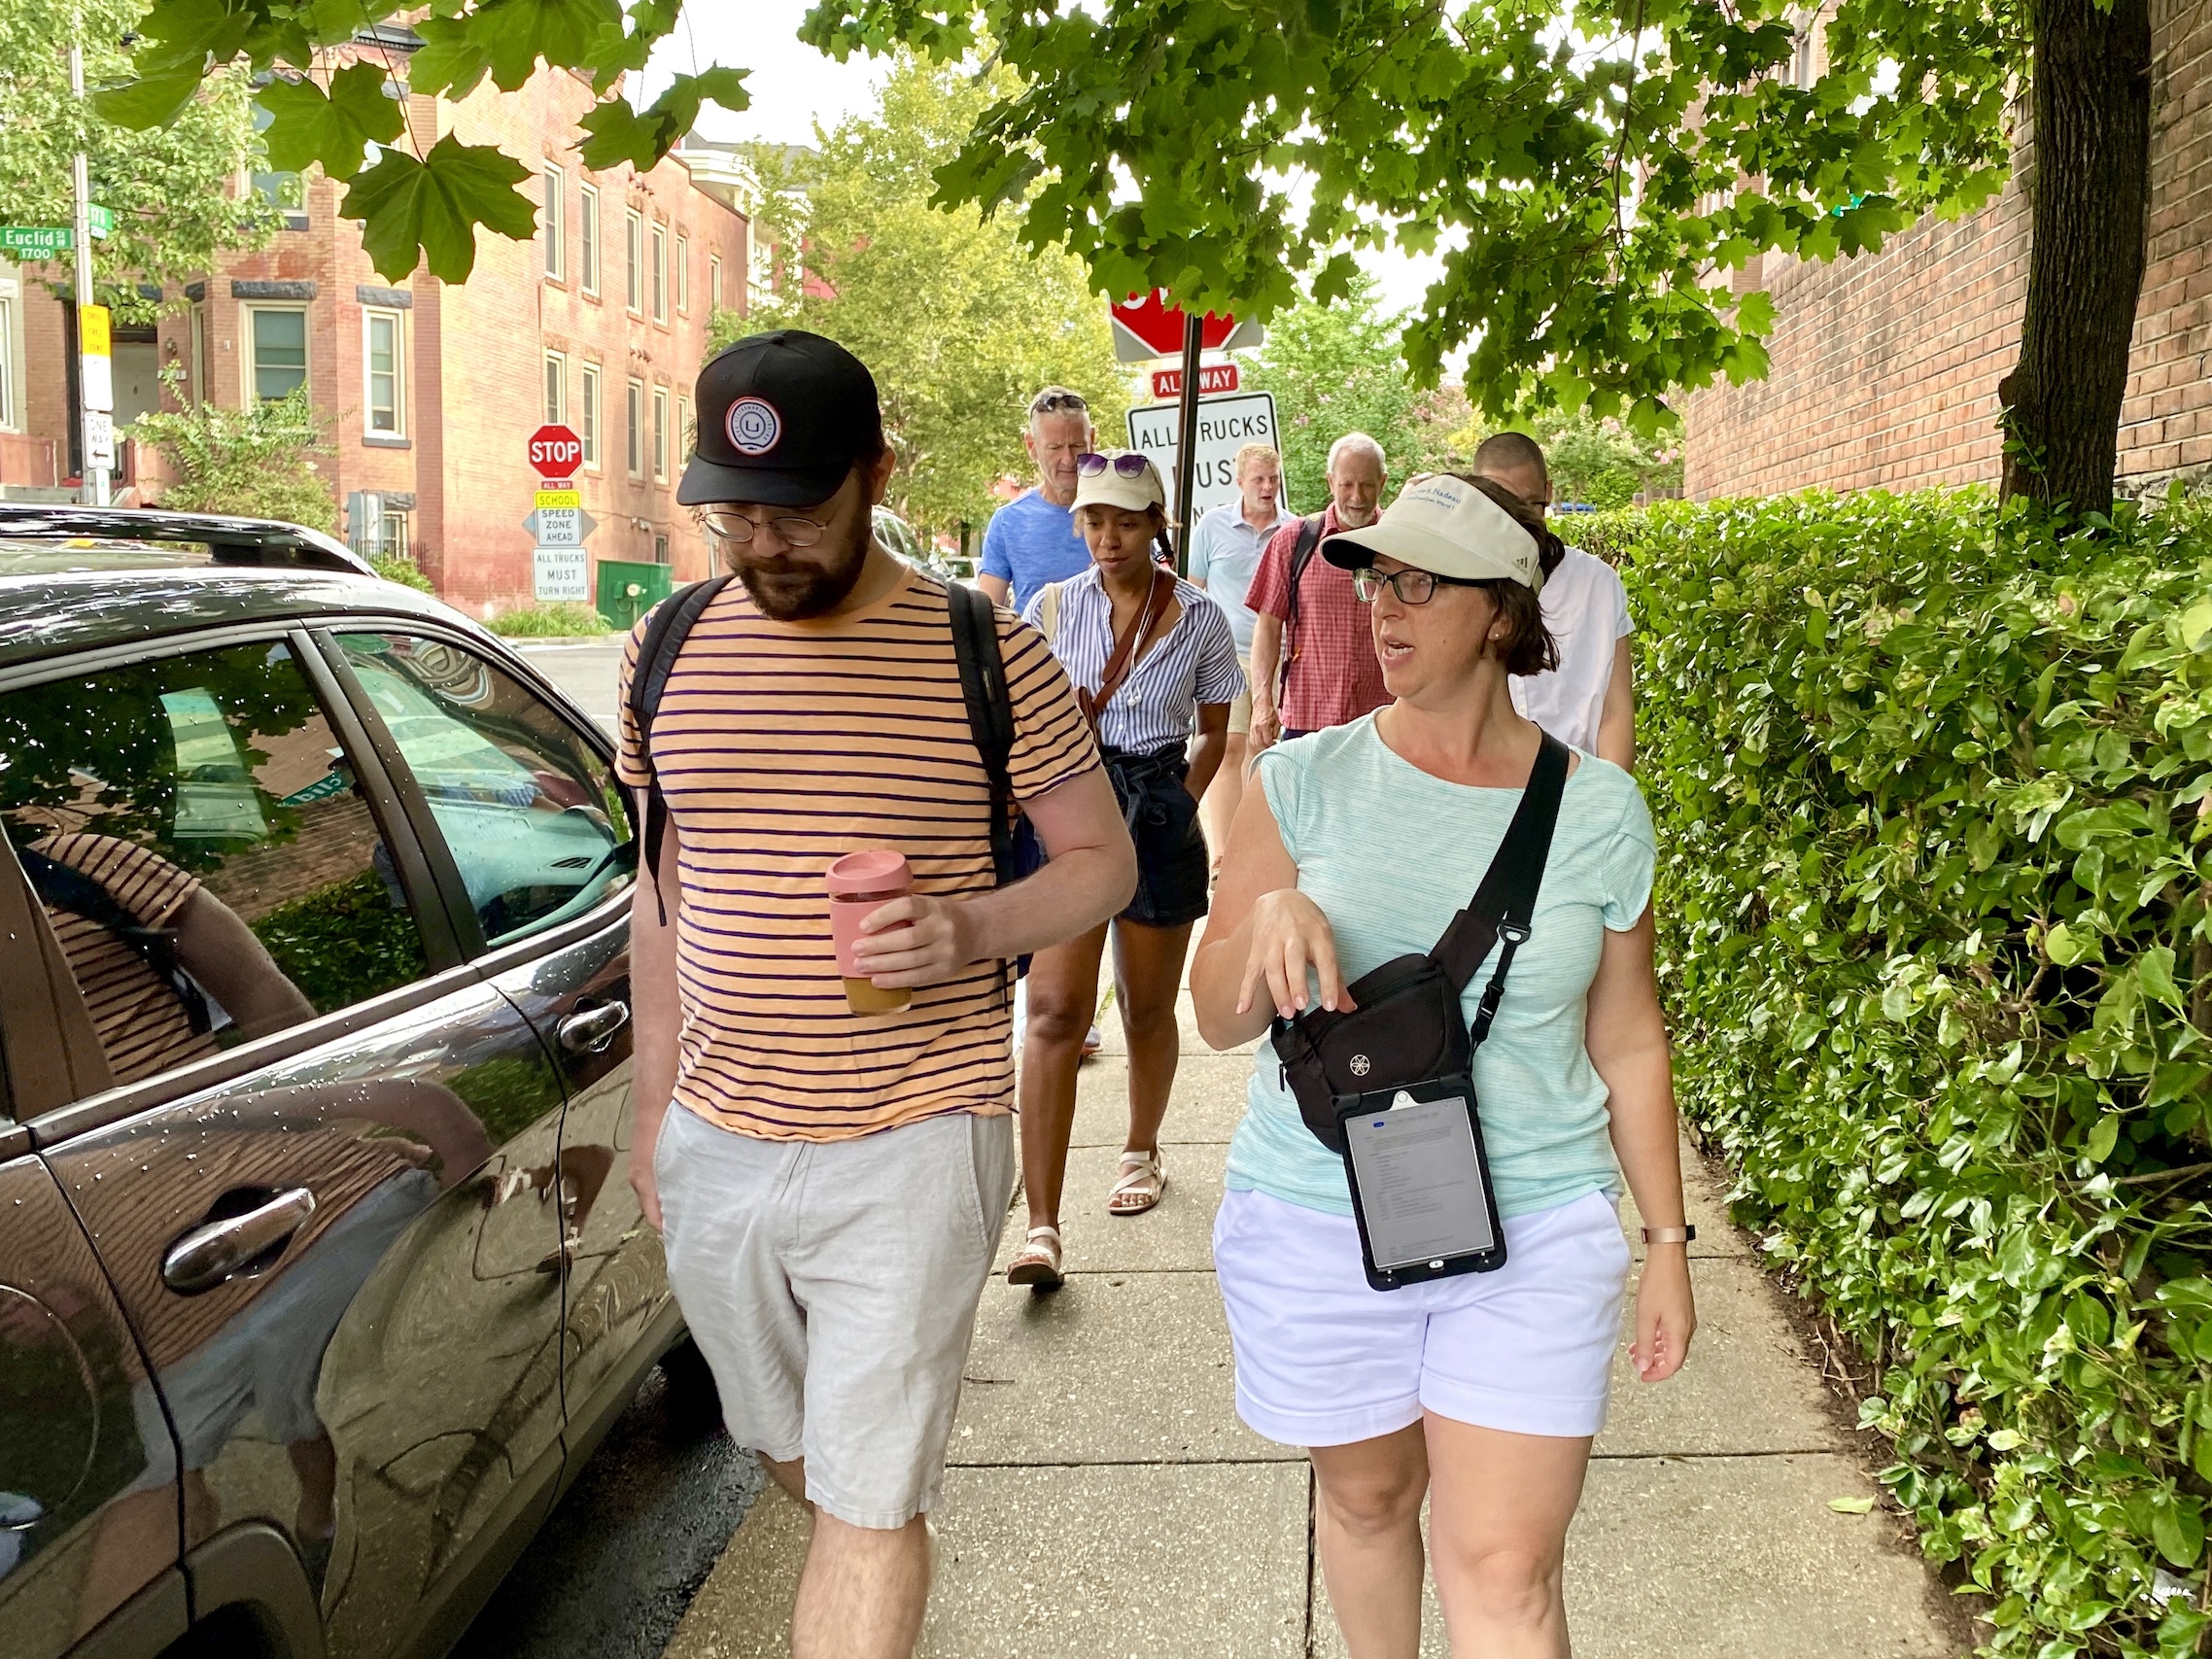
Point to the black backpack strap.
(1506, 901)
(990, 711)
(1309, 538)
(665, 630)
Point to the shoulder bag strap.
(990, 711)
(1049, 613)
(665, 630)
(1506, 901)
(1309, 538)
(1125, 649)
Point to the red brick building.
(430, 390)
(1885, 368)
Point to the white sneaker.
(1092, 1042)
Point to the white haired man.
(1313, 653)
(1031, 541)
(1226, 548)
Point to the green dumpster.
(627, 589)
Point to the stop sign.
(1159, 325)
(555, 452)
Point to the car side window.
(533, 816)
(195, 836)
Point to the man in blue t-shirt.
(1032, 540)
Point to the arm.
(231, 965)
(656, 1015)
(1627, 1040)
(1207, 751)
(1267, 653)
(1090, 874)
(1616, 722)
(1262, 936)
(997, 589)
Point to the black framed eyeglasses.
(725, 525)
(1413, 587)
(1059, 400)
(1130, 466)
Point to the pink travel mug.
(859, 884)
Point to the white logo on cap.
(754, 426)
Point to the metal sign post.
(96, 421)
(1186, 426)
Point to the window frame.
(634, 260)
(553, 220)
(660, 435)
(555, 379)
(199, 360)
(633, 423)
(587, 239)
(658, 273)
(682, 274)
(7, 412)
(714, 282)
(370, 316)
(248, 359)
(590, 412)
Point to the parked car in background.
(318, 1273)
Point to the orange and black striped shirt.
(782, 746)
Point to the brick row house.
(1885, 368)
(430, 390)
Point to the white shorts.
(1323, 1359)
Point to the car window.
(195, 833)
(531, 814)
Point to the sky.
(794, 87)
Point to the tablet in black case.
(1420, 1183)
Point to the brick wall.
(1885, 368)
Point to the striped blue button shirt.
(1158, 703)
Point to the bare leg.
(1367, 1529)
(1499, 1529)
(1224, 795)
(863, 1591)
(791, 1477)
(1148, 977)
(1063, 995)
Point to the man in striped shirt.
(830, 1185)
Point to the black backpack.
(1309, 538)
(983, 683)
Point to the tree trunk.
(2089, 192)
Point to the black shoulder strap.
(1309, 538)
(990, 711)
(665, 630)
(1506, 900)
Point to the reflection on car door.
(517, 792)
(339, 1251)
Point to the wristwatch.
(1669, 1234)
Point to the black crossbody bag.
(1389, 1084)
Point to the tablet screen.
(1420, 1182)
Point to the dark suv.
(319, 1268)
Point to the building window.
(633, 250)
(685, 440)
(683, 274)
(278, 349)
(588, 428)
(714, 281)
(659, 273)
(285, 191)
(198, 364)
(587, 238)
(635, 425)
(398, 542)
(383, 375)
(556, 389)
(660, 435)
(8, 419)
(660, 549)
(552, 224)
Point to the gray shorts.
(832, 1287)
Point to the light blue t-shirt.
(1391, 854)
(1029, 542)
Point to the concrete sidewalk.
(1104, 1500)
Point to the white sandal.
(1037, 1263)
(1144, 1178)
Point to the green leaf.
(333, 130)
(2102, 1139)
(451, 60)
(1851, 1505)
(2178, 1529)
(617, 133)
(145, 104)
(514, 34)
(2154, 970)
(434, 206)
(2066, 947)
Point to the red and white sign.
(1153, 328)
(1213, 379)
(555, 452)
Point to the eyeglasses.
(1130, 466)
(733, 527)
(1413, 587)
(1054, 401)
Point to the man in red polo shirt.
(1316, 667)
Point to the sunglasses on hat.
(1130, 466)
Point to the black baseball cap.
(783, 417)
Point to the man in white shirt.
(1589, 701)
(1225, 550)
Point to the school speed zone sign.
(1225, 425)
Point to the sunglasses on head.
(1131, 466)
(1057, 402)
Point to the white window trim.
(250, 394)
(555, 417)
(196, 343)
(682, 274)
(587, 239)
(634, 426)
(660, 435)
(8, 310)
(592, 410)
(657, 272)
(714, 282)
(369, 315)
(553, 220)
(634, 260)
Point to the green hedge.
(1934, 796)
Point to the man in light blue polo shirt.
(1032, 540)
(1224, 551)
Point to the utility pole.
(1186, 436)
(95, 379)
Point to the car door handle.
(590, 1032)
(208, 1255)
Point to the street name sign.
(561, 573)
(1213, 379)
(36, 241)
(555, 451)
(1225, 425)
